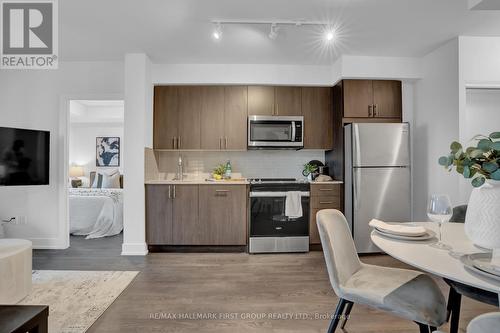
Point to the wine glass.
(440, 211)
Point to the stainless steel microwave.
(275, 132)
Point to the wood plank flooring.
(256, 293)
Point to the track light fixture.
(273, 34)
(217, 33)
(329, 33)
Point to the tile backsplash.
(251, 164)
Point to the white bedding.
(95, 212)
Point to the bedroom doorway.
(95, 134)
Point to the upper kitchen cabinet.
(372, 99)
(166, 113)
(387, 100)
(261, 100)
(318, 117)
(235, 117)
(212, 117)
(190, 104)
(288, 101)
(274, 101)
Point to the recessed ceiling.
(180, 31)
(484, 4)
(96, 112)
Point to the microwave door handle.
(293, 131)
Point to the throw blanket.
(95, 213)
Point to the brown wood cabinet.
(223, 212)
(212, 117)
(318, 117)
(235, 117)
(190, 103)
(372, 99)
(165, 123)
(288, 101)
(261, 100)
(323, 196)
(196, 215)
(158, 215)
(274, 101)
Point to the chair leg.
(347, 314)
(423, 328)
(336, 317)
(449, 305)
(455, 313)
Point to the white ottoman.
(15, 270)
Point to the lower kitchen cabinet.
(223, 211)
(323, 196)
(211, 215)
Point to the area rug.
(76, 299)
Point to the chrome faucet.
(180, 172)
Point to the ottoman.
(15, 270)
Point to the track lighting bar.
(276, 22)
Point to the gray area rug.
(76, 299)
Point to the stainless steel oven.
(275, 132)
(270, 229)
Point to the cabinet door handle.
(179, 143)
(220, 143)
(326, 189)
(174, 193)
(325, 202)
(222, 191)
(375, 110)
(277, 109)
(225, 142)
(169, 192)
(370, 107)
(173, 142)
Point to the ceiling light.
(329, 35)
(273, 34)
(217, 34)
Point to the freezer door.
(382, 144)
(382, 193)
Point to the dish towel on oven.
(293, 205)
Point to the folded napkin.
(293, 204)
(398, 229)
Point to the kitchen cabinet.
(165, 123)
(261, 100)
(372, 99)
(185, 218)
(223, 212)
(387, 99)
(211, 215)
(318, 117)
(212, 117)
(235, 117)
(159, 214)
(323, 196)
(288, 101)
(190, 104)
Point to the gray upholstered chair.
(485, 323)
(405, 293)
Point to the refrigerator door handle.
(355, 184)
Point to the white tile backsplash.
(251, 164)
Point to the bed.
(95, 212)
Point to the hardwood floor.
(256, 293)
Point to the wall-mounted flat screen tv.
(24, 157)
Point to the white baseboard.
(48, 243)
(134, 249)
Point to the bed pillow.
(111, 181)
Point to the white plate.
(393, 232)
(469, 262)
(428, 235)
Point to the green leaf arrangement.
(308, 169)
(476, 163)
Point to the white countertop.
(328, 182)
(196, 182)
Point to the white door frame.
(63, 160)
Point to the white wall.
(435, 126)
(138, 128)
(82, 144)
(33, 99)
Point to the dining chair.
(405, 293)
(457, 289)
(485, 323)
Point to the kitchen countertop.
(196, 182)
(328, 182)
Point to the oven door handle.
(274, 194)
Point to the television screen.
(24, 157)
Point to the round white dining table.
(421, 255)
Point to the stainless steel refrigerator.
(377, 177)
